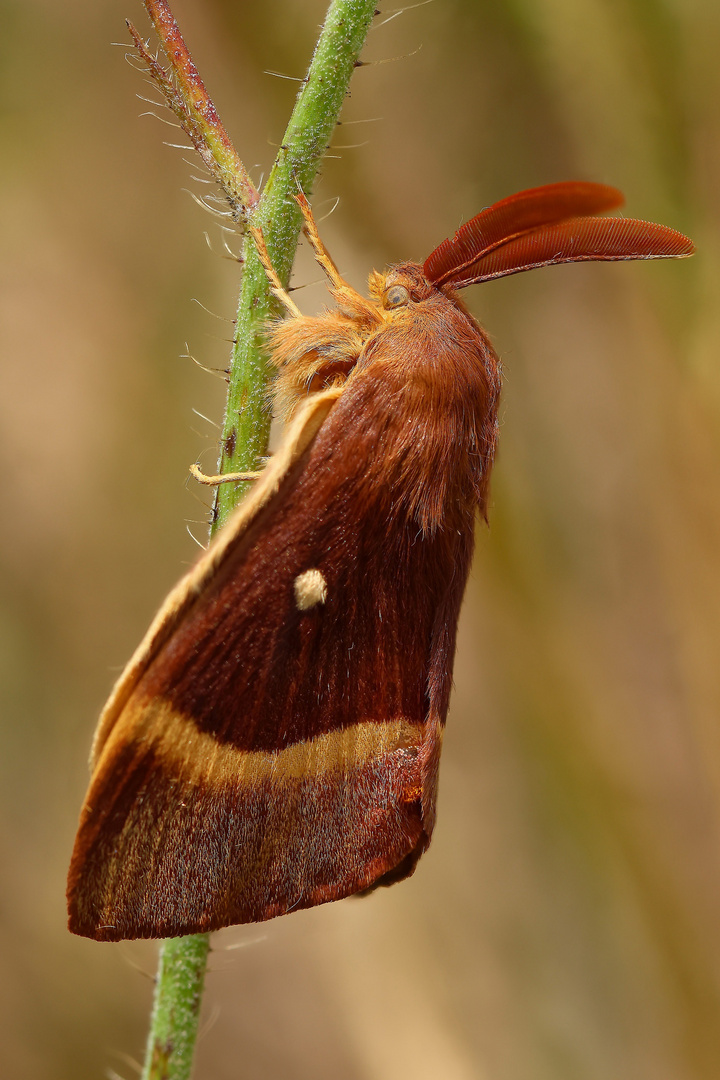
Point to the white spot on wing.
(310, 589)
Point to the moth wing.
(190, 587)
(274, 742)
(512, 216)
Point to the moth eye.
(395, 296)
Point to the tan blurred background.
(566, 923)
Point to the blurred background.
(565, 924)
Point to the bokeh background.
(566, 923)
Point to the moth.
(274, 741)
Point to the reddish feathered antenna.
(544, 226)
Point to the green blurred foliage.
(565, 922)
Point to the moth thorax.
(310, 589)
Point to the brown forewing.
(267, 757)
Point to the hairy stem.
(176, 1009)
(185, 93)
(247, 418)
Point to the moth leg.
(223, 478)
(275, 283)
(344, 294)
(322, 255)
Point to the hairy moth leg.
(322, 256)
(356, 305)
(275, 283)
(314, 353)
(222, 478)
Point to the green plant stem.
(246, 428)
(176, 1009)
(247, 418)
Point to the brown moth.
(274, 742)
